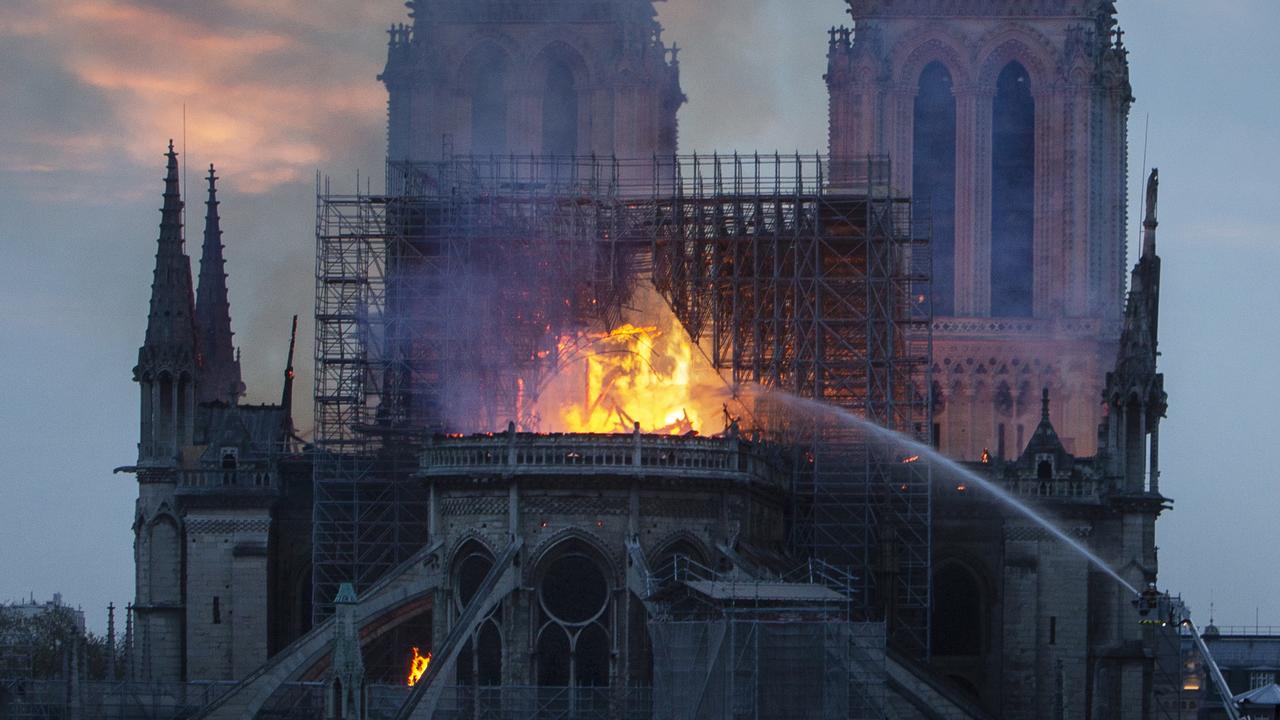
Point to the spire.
(286, 396)
(1137, 357)
(1044, 406)
(220, 367)
(170, 340)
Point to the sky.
(91, 91)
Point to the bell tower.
(492, 77)
(1006, 122)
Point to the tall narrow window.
(1013, 156)
(560, 111)
(489, 105)
(934, 177)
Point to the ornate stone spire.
(168, 360)
(171, 338)
(1137, 359)
(219, 378)
(1135, 388)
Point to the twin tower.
(1006, 122)
(1005, 119)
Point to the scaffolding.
(728, 646)
(445, 304)
(808, 276)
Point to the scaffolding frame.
(751, 654)
(809, 276)
(443, 305)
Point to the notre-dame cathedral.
(1005, 119)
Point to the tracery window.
(1013, 155)
(574, 643)
(489, 104)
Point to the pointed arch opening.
(560, 109)
(933, 175)
(487, 83)
(561, 74)
(1013, 159)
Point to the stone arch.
(1021, 44)
(557, 43)
(468, 537)
(935, 44)
(680, 541)
(548, 547)
(480, 44)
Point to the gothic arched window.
(1013, 156)
(933, 173)
(958, 622)
(560, 110)
(489, 104)
(560, 104)
(573, 644)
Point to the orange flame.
(651, 374)
(417, 666)
(911, 459)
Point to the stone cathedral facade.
(1009, 119)
(1006, 119)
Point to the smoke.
(753, 72)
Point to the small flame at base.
(417, 667)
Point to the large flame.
(417, 666)
(646, 371)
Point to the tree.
(39, 646)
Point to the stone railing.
(647, 455)
(222, 480)
(1057, 489)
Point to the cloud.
(271, 91)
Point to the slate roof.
(1268, 695)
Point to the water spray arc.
(918, 449)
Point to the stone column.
(973, 200)
(1048, 245)
(1077, 201)
(901, 105)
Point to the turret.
(168, 359)
(219, 375)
